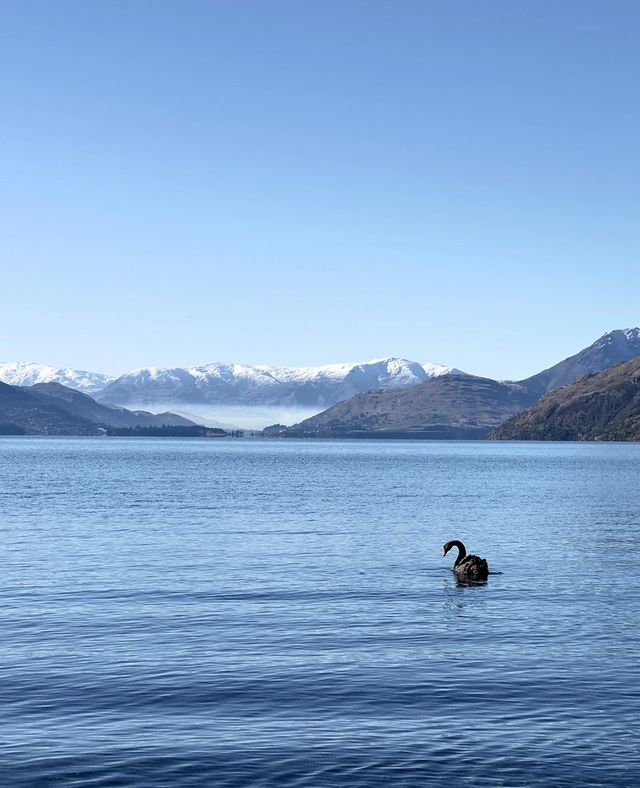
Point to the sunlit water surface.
(192, 612)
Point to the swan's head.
(446, 547)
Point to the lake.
(278, 613)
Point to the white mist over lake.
(249, 417)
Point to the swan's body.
(469, 567)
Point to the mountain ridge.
(611, 348)
(28, 373)
(603, 406)
(314, 389)
(23, 410)
(241, 384)
(233, 383)
(54, 409)
(459, 407)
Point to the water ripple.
(190, 613)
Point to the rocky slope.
(598, 407)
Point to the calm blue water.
(193, 612)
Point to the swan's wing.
(472, 559)
(473, 564)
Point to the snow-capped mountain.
(240, 384)
(25, 373)
(232, 383)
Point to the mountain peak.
(623, 335)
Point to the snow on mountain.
(232, 383)
(435, 370)
(243, 384)
(24, 373)
(620, 337)
(632, 334)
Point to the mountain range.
(459, 406)
(233, 383)
(380, 398)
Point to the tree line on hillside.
(172, 431)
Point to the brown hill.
(449, 406)
(598, 407)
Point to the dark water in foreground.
(192, 612)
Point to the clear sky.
(296, 183)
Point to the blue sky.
(307, 182)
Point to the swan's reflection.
(456, 590)
(466, 582)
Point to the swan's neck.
(462, 551)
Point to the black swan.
(469, 567)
